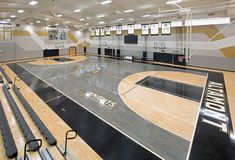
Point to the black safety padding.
(5, 75)
(8, 141)
(34, 146)
(41, 126)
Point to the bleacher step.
(46, 154)
(70, 155)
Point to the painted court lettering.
(215, 111)
(221, 126)
(102, 100)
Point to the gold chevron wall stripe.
(72, 37)
(20, 33)
(41, 33)
(211, 31)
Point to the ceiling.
(93, 13)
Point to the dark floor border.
(108, 142)
(212, 140)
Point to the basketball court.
(150, 93)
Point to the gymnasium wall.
(218, 52)
(29, 42)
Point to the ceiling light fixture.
(67, 22)
(59, 15)
(173, 1)
(56, 24)
(106, 2)
(13, 16)
(100, 16)
(20, 11)
(47, 19)
(38, 21)
(128, 11)
(33, 3)
(77, 10)
(8, 20)
(31, 24)
(120, 19)
(101, 22)
(185, 10)
(147, 15)
(131, 19)
(82, 19)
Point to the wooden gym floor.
(117, 118)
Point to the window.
(5, 32)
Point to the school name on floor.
(215, 112)
(102, 100)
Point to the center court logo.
(93, 69)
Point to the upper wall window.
(5, 32)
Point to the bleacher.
(9, 143)
(43, 129)
(28, 135)
(5, 75)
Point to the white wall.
(209, 53)
(28, 43)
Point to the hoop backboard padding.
(50, 52)
(144, 54)
(99, 51)
(113, 52)
(118, 53)
(108, 51)
(177, 59)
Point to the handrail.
(69, 138)
(29, 150)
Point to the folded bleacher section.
(34, 146)
(5, 75)
(9, 143)
(43, 129)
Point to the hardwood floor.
(57, 126)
